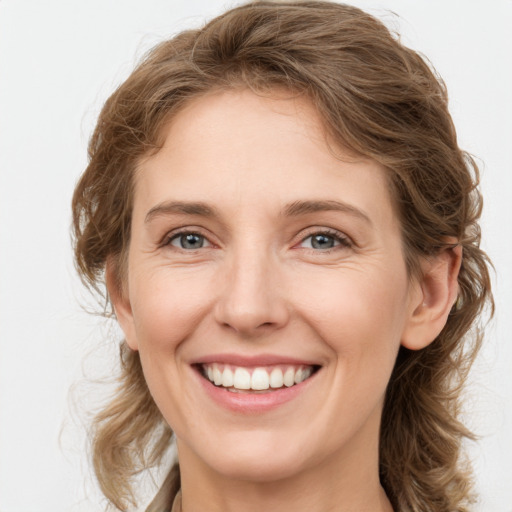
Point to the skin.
(259, 286)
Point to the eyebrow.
(294, 209)
(304, 207)
(183, 207)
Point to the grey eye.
(189, 241)
(320, 241)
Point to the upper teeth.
(260, 378)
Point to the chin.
(253, 457)
(258, 467)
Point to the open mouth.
(260, 379)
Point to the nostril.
(251, 314)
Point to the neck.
(342, 484)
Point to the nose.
(252, 302)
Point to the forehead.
(236, 148)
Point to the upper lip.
(251, 361)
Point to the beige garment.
(169, 489)
(176, 504)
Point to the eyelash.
(169, 238)
(342, 241)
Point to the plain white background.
(59, 60)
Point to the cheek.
(356, 301)
(167, 306)
(361, 317)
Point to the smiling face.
(258, 259)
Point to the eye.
(324, 241)
(188, 241)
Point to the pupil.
(322, 242)
(191, 241)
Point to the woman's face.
(257, 258)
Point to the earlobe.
(433, 298)
(119, 298)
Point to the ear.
(119, 297)
(432, 298)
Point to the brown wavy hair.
(377, 98)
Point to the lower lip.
(252, 403)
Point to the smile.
(257, 379)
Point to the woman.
(288, 233)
